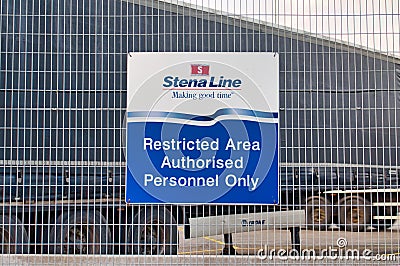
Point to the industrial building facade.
(63, 99)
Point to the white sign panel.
(202, 128)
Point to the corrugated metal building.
(63, 80)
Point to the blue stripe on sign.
(220, 112)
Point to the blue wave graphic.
(220, 112)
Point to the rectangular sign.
(202, 128)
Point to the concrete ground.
(384, 247)
(383, 242)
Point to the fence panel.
(63, 101)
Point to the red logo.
(200, 70)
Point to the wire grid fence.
(63, 98)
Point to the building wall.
(63, 82)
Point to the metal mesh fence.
(63, 79)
